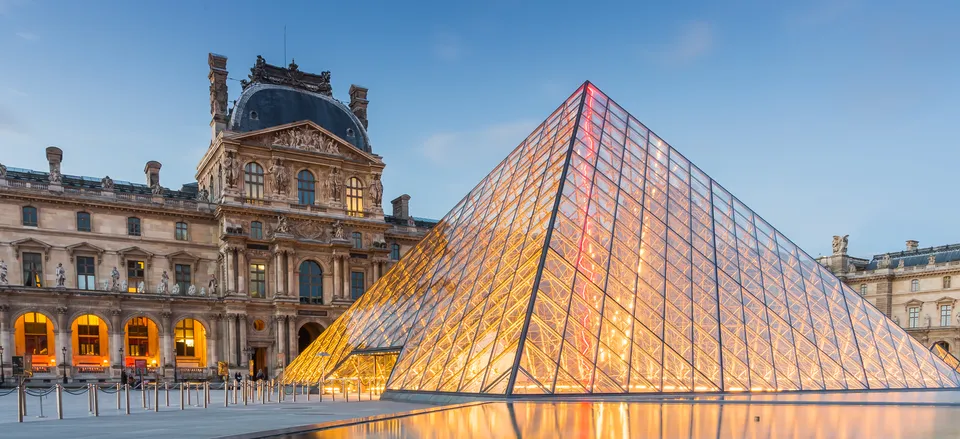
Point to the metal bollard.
(235, 384)
(89, 400)
(118, 397)
(206, 393)
(20, 403)
(263, 394)
(226, 394)
(96, 400)
(143, 394)
(294, 392)
(126, 391)
(245, 385)
(189, 395)
(181, 396)
(359, 390)
(346, 392)
(156, 397)
(280, 392)
(59, 401)
(166, 388)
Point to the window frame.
(306, 188)
(138, 343)
(84, 334)
(913, 317)
(181, 231)
(357, 238)
(946, 314)
(354, 197)
(253, 183)
(183, 276)
(133, 279)
(86, 269)
(33, 337)
(258, 227)
(395, 252)
(357, 288)
(84, 217)
(32, 269)
(914, 285)
(30, 216)
(947, 281)
(310, 283)
(134, 226)
(257, 284)
(182, 333)
(863, 289)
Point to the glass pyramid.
(595, 258)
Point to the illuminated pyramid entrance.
(597, 259)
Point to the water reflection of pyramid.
(597, 259)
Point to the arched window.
(306, 187)
(253, 182)
(357, 240)
(83, 222)
(311, 283)
(395, 252)
(944, 345)
(354, 197)
(29, 216)
(915, 285)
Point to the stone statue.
(115, 279)
(3, 171)
(156, 189)
(282, 226)
(338, 230)
(164, 288)
(330, 146)
(203, 292)
(123, 286)
(325, 189)
(231, 169)
(61, 275)
(141, 287)
(106, 183)
(280, 177)
(376, 190)
(884, 262)
(105, 285)
(840, 244)
(932, 260)
(896, 319)
(175, 290)
(212, 285)
(192, 291)
(926, 320)
(203, 195)
(336, 184)
(3, 273)
(900, 264)
(55, 176)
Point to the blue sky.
(826, 117)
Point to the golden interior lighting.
(595, 258)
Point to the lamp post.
(122, 365)
(63, 364)
(3, 373)
(323, 372)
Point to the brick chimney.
(55, 157)
(358, 103)
(218, 92)
(912, 245)
(401, 209)
(152, 172)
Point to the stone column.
(242, 273)
(6, 340)
(232, 340)
(213, 333)
(166, 339)
(242, 324)
(280, 288)
(294, 349)
(293, 287)
(228, 278)
(116, 339)
(281, 323)
(376, 270)
(346, 278)
(64, 338)
(337, 279)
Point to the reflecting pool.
(642, 420)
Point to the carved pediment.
(86, 247)
(307, 136)
(31, 244)
(182, 256)
(914, 303)
(135, 254)
(945, 300)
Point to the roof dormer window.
(254, 115)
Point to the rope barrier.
(8, 392)
(80, 391)
(34, 392)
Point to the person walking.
(261, 375)
(238, 377)
(123, 376)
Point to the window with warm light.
(88, 335)
(184, 334)
(138, 337)
(135, 275)
(253, 182)
(258, 281)
(86, 273)
(32, 269)
(259, 325)
(354, 197)
(913, 316)
(945, 311)
(35, 333)
(29, 216)
(306, 188)
(915, 285)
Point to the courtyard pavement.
(192, 422)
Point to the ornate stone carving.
(282, 225)
(900, 264)
(55, 176)
(292, 76)
(3, 171)
(336, 184)
(308, 229)
(61, 275)
(115, 279)
(840, 244)
(231, 169)
(932, 260)
(212, 285)
(192, 291)
(379, 241)
(164, 288)
(141, 287)
(326, 189)
(376, 190)
(338, 230)
(175, 290)
(3, 273)
(156, 189)
(203, 195)
(203, 292)
(306, 139)
(106, 183)
(280, 176)
(884, 262)
(218, 97)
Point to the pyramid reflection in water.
(597, 259)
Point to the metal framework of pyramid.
(597, 259)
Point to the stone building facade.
(916, 287)
(282, 230)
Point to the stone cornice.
(893, 273)
(82, 203)
(127, 240)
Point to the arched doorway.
(944, 345)
(33, 335)
(141, 342)
(91, 342)
(307, 334)
(190, 344)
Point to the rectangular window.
(184, 335)
(83, 222)
(945, 311)
(395, 252)
(914, 286)
(357, 240)
(180, 232)
(946, 281)
(258, 281)
(29, 216)
(35, 333)
(913, 316)
(138, 337)
(182, 277)
(133, 226)
(356, 284)
(86, 273)
(88, 334)
(256, 230)
(863, 289)
(134, 275)
(32, 269)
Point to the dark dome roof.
(276, 105)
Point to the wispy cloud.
(691, 41)
(27, 35)
(447, 46)
(463, 147)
